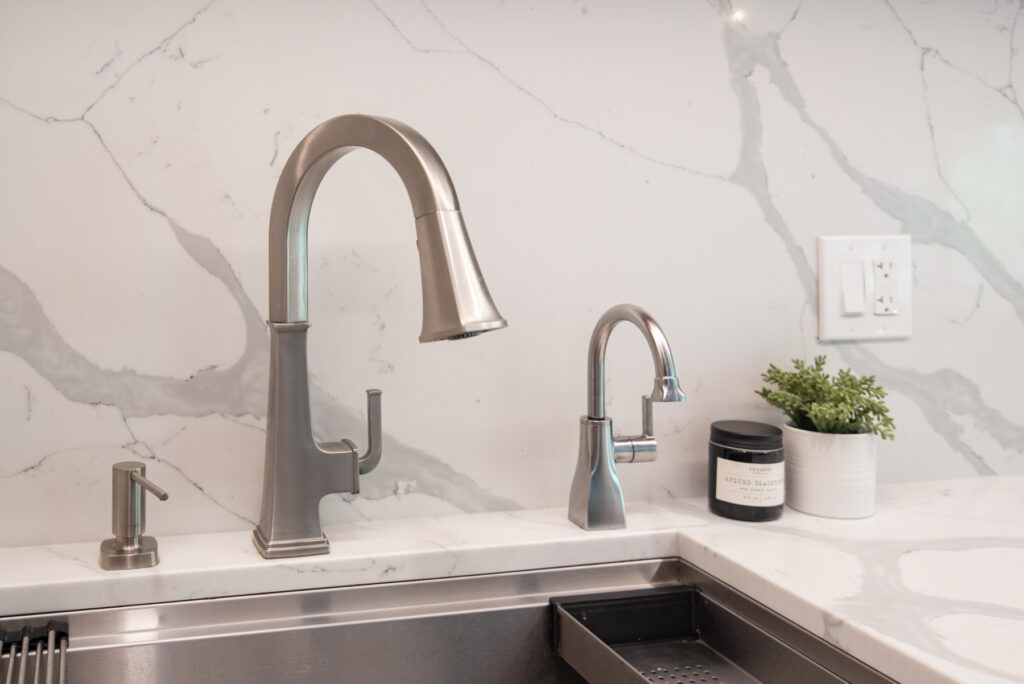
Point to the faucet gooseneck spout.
(455, 298)
(456, 303)
(666, 385)
(595, 500)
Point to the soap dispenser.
(128, 549)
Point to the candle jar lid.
(746, 434)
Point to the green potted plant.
(830, 438)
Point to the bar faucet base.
(289, 548)
(113, 556)
(595, 500)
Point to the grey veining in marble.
(937, 394)
(701, 146)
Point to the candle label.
(750, 484)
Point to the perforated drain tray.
(683, 635)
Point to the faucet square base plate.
(289, 548)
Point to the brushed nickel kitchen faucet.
(595, 500)
(298, 471)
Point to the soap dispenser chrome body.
(595, 500)
(298, 471)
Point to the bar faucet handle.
(373, 448)
(638, 448)
(647, 409)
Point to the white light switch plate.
(864, 287)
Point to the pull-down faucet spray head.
(456, 303)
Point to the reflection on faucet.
(595, 500)
(298, 471)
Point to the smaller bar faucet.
(595, 500)
(298, 471)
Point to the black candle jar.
(746, 476)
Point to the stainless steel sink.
(490, 628)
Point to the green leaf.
(813, 400)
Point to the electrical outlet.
(864, 287)
(885, 305)
(886, 288)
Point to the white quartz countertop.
(930, 589)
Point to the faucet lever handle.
(638, 448)
(647, 410)
(373, 449)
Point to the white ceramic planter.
(830, 475)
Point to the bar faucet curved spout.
(456, 303)
(595, 500)
(666, 385)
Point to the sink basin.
(491, 628)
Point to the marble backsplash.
(682, 156)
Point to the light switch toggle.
(851, 287)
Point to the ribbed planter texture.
(830, 475)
